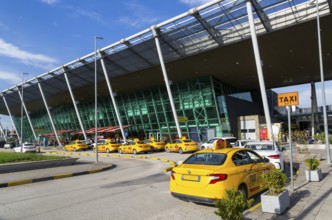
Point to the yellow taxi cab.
(76, 145)
(134, 147)
(205, 175)
(107, 146)
(155, 145)
(181, 145)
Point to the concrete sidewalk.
(309, 200)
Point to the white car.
(241, 143)
(9, 145)
(230, 141)
(27, 147)
(269, 150)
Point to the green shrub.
(232, 207)
(312, 163)
(275, 181)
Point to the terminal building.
(192, 75)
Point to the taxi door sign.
(288, 99)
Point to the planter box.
(275, 204)
(313, 175)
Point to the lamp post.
(96, 101)
(328, 156)
(22, 111)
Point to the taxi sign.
(183, 119)
(288, 99)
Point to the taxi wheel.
(202, 148)
(180, 151)
(134, 151)
(120, 151)
(108, 151)
(167, 149)
(243, 190)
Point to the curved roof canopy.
(213, 39)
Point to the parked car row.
(136, 146)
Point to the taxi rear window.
(206, 159)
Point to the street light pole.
(326, 132)
(22, 111)
(96, 101)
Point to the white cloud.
(26, 57)
(87, 13)
(194, 2)
(11, 77)
(140, 16)
(50, 2)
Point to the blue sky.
(39, 35)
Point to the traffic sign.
(288, 99)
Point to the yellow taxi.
(205, 175)
(107, 146)
(134, 147)
(76, 145)
(181, 145)
(155, 145)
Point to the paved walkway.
(309, 200)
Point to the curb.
(172, 163)
(60, 176)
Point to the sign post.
(289, 99)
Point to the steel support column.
(162, 64)
(48, 112)
(112, 96)
(26, 113)
(3, 133)
(259, 70)
(75, 105)
(11, 118)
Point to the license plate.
(191, 178)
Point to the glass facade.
(199, 103)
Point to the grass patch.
(11, 157)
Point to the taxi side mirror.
(266, 160)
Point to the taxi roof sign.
(288, 99)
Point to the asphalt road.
(135, 189)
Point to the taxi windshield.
(206, 159)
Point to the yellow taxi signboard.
(183, 119)
(288, 99)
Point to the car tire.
(167, 149)
(107, 150)
(180, 150)
(120, 151)
(243, 190)
(134, 151)
(202, 148)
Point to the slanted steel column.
(259, 70)
(3, 133)
(75, 104)
(314, 115)
(112, 96)
(26, 113)
(11, 118)
(162, 64)
(48, 112)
